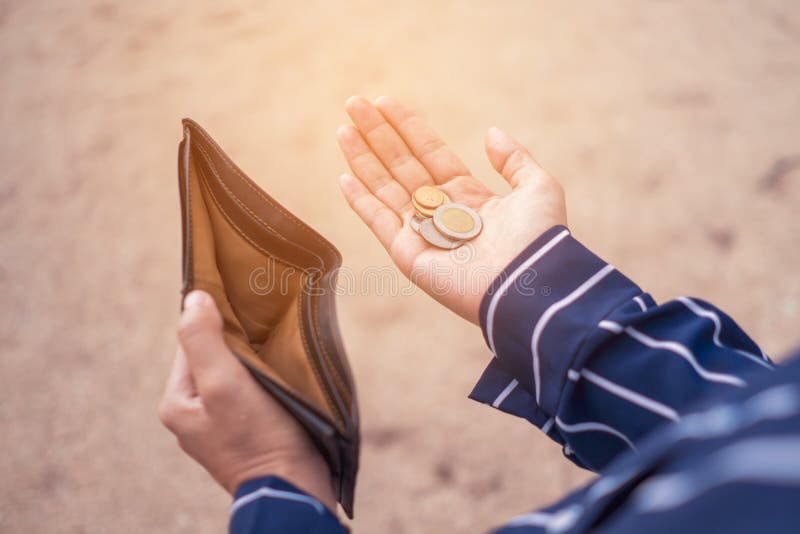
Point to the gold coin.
(424, 211)
(457, 221)
(429, 197)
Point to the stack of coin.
(440, 222)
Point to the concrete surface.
(673, 125)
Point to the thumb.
(200, 336)
(511, 159)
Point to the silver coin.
(457, 221)
(429, 232)
(415, 221)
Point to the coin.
(429, 197)
(426, 211)
(429, 232)
(415, 221)
(457, 221)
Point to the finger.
(212, 365)
(424, 142)
(180, 401)
(383, 222)
(387, 144)
(369, 169)
(511, 159)
(180, 384)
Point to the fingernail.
(195, 299)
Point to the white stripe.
(277, 494)
(778, 402)
(775, 403)
(559, 521)
(507, 283)
(535, 519)
(505, 393)
(609, 484)
(640, 302)
(631, 396)
(676, 348)
(547, 425)
(573, 375)
(565, 519)
(551, 311)
(611, 326)
(593, 426)
(770, 460)
(686, 354)
(709, 314)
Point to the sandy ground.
(673, 125)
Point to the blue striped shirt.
(685, 420)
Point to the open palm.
(392, 152)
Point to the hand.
(225, 420)
(391, 152)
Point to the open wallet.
(273, 278)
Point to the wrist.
(548, 300)
(307, 471)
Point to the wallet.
(274, 280)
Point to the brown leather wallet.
(273, 279)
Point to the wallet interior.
(273, 279)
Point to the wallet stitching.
(245, 236)
(190, 262)
(231, 193)
(188, 249)
(236, 199)
(308, 351)
(261, 194)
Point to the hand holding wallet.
(273, 279)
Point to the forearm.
(583, 353)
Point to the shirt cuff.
(535, 317)
(271, 504)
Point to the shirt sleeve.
(583, 353)
(730, 465)
(270, 504)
